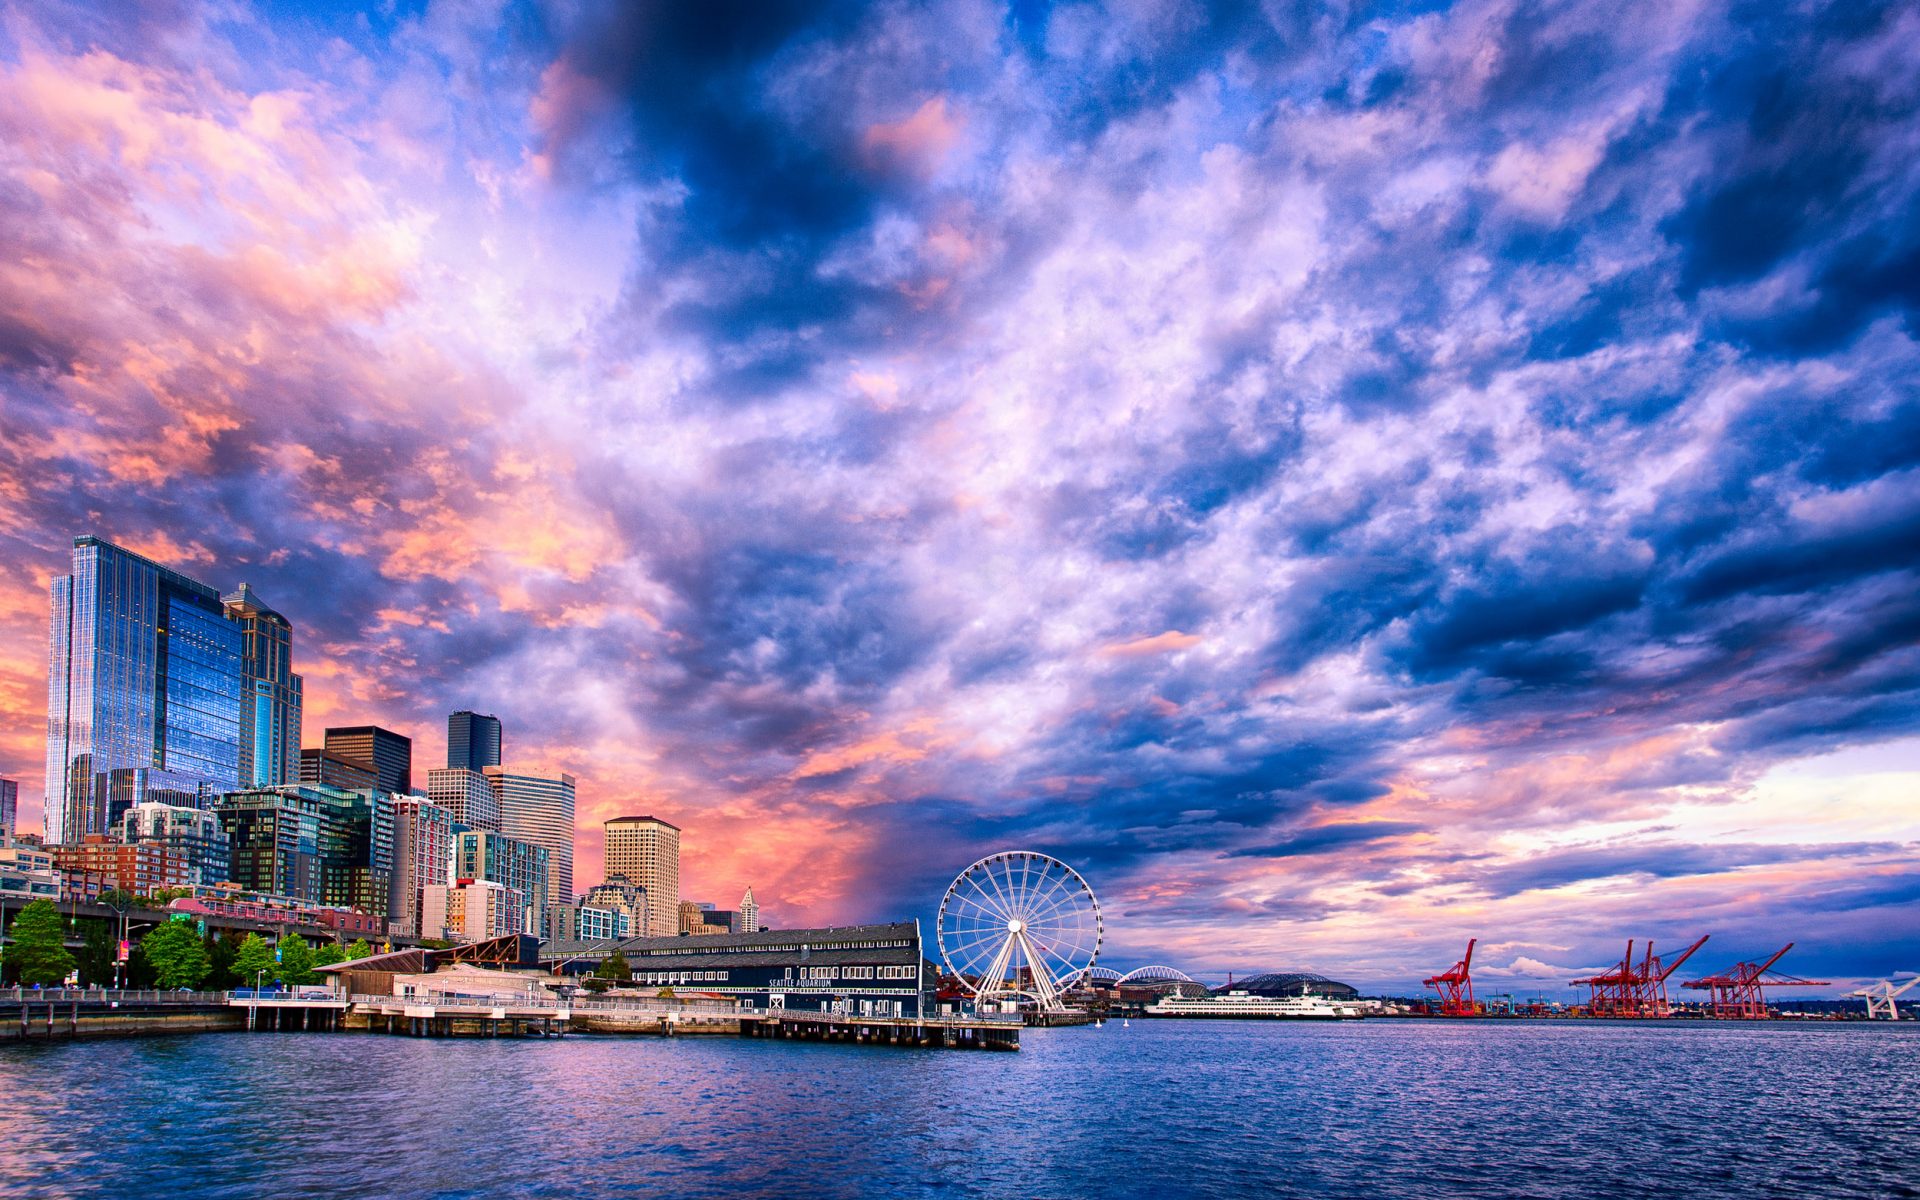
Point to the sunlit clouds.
(1347, 482)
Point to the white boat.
(1247, 1006)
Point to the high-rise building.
(337, 770)
(515, 862)
(143, 674)
(539, 809)
(390, 753)
(473, 740)
(748, 919)
(9, 809)
(468, 795)
(195, 834)
(312, 842)
(270, 692)
(422, 857)
(647, 851)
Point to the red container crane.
(1739, 993)
(1455, 986)
(1635, 989)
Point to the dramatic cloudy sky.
(1347, 478)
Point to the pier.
(951, 1033)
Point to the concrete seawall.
(38, 1021)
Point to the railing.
(837, 1018)
(26, 995)
(473, 1002)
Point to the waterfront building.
(623, 896)
(195, 834)
(539, 809)
(320, 765)
(474, 741)
(143, 674)
(422, 856)
(9, 809)
(467, 795)
(748, 920)
(873, 970)
(270, 692)
(470, 910)
(27, 873)
(320, 844)
(140, 869)
(521, 865)
(390, 753)
(586, 923)
(646, 850)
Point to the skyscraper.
(337, 770)
(9, 809)
(647, 851)
(270, 692)
(539, 809)
(422, 854)
(390, 753)
(312, 842)
(143, 690)
(468, 795)
(473, 741)
(520, 864)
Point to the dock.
(951, 1033)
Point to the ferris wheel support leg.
(1043, 985)
(993, 980)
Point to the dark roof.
(828, 945)
(657, 820)
(1289, 983)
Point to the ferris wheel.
(1019, 924)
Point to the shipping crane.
(1739, 993)
(1635, 989)
(1880, 998)
(1455, 986)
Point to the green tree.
(118, 899)
(296, 960)
(254, 960)
(329, 953)
(177, 955)
(359, 949)
(39, 953)
(221, 953)
(614, 966)
(96, 953)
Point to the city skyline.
(1355, 485)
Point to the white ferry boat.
(1247, 1006)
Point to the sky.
(1346, 478)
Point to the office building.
(270, 692)
(9, 809)
(748, 918)
(586, 923)
(28, 873)
(325, 845)
(469, 910)
(319, 765)
(473, 741)
(646, 850)
(390, 753)
(539, 809)
(143, 674)
(139, 870)
(520, 865)
(467, 795)
(422, 857)
(195, 834)
(865, 970)
(623, 896)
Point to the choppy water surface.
(1161, 1109)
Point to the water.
(1163, 1109)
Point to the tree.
(296, 960)
(614, 967)
(329, 953)
(359, 949)
(177, 955)
(221, 955)
(39, 953)
(96, 952)
(253, 960)
(118, 899)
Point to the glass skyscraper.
(270, 694)
(539, 809)
(390, 753)
(143, 690)
(473, 741)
